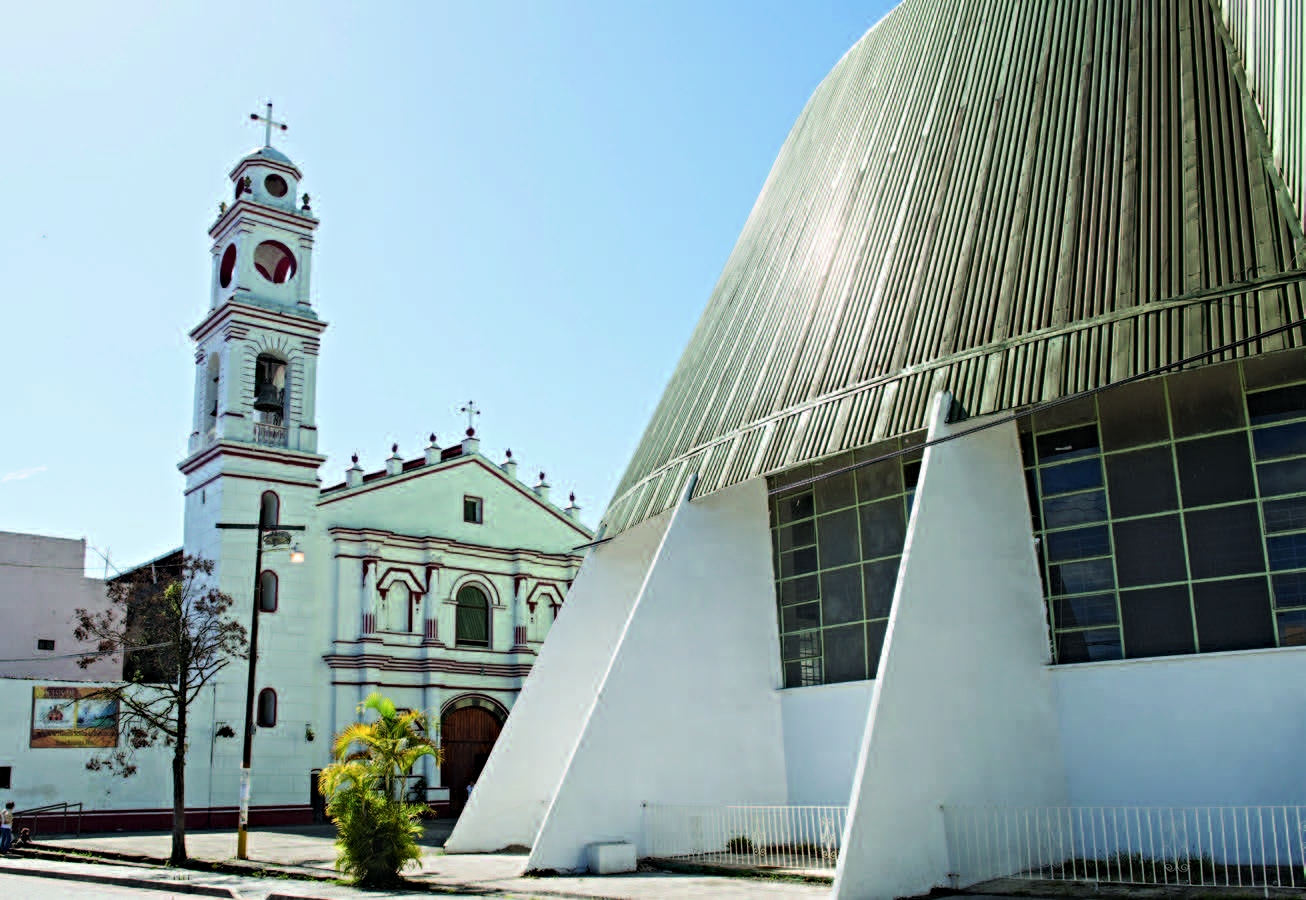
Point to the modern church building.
(982, 479)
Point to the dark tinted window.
(1072, 476)
(1282, 403)
(838, 538)
(1149, 551)
(882, 479)
(800, 590)
(1157, 621)
(1287, 551)
(841, 596)
(1224, 541)
(802, 645)
(796, 618)
(1141, 482)
(1085, 610)
(845, 654)
(1287, 477)
(836, 492)
(1205, 400)
(795, 506)
(1078, 543)
(1292, 628)
(1280, 441)
(1233, 615)
(1290, 590)
(1285, 515)
(884, 527)
(801, 535)
(874, 644)
(1215, 470)
(1133, 414)
(1069, 444)
(1081, 577)
(1077, 509)
(879, 580)
(799, 562)
(1088, 646)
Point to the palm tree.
(377, 829)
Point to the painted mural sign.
(73, 717)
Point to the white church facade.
(433, 580)
(981, 484)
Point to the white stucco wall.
(1212, 729)
(41, 583)
(527, 763)
(688, 711)
(823, 730)
(963, 710)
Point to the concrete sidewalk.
(309, 850)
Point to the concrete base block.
(610, 858)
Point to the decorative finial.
(222, 207)
(508, 453)
(572, 497)
(267, 125)
(432, 437)
(355, 459)
(394, 448)
(307, 208)
(541, 476)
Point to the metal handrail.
(63, 808)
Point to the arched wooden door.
(468, 736)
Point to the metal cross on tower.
(268, 124)
(472, 412)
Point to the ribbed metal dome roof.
(997, 198)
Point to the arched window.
(269, 389)
(267, 708)
(473, 619)
(267, 591)
(270, 509)
(395, 607)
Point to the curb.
(177, 887)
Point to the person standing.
(7, 827)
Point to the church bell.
(269, 398)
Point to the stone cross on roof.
(472, 412)
(268, 124)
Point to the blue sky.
(523, 203)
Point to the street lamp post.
(263, 529)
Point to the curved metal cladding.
(1001, 199)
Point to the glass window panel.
(841, 596)
(884, 528)
(1031, 490)
(1215, 470)
(1233, 615)
(879, 480)
(1277, 405)
(911, 473)
(1282, 477)
(802, 645)
(1224, 541)
(798, 562)
(1285, 515)
(1157, 621)
(1279, 441)
(801, 535)
(799, 590)
(1292, 628)
(1059, 446)
(1085, 611)
(1077, 509)
(1080, 411)
(1081, 577)
(1149, 551)
(1078, 544)
(879, 580)
(1287, 551)
(794, 506)
(1206, 399)
(799, 618)
(1073, 476)
(845, 653)
(1290, 590)
(1026, 445)
(1133, 414)
(874, 644)
(1142, 482)
(1273, 369)
(798, 473)
(804, 673)
(1088, 646)
(875, 451)
(838, 538)
(835, 492)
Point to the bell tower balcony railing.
(270, 435)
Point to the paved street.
(19, 886)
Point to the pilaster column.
(431, 608)
(367, 629)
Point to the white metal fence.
(1224, 846)
(803, 838)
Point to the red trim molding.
(161, 819)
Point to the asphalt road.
(18, 886)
